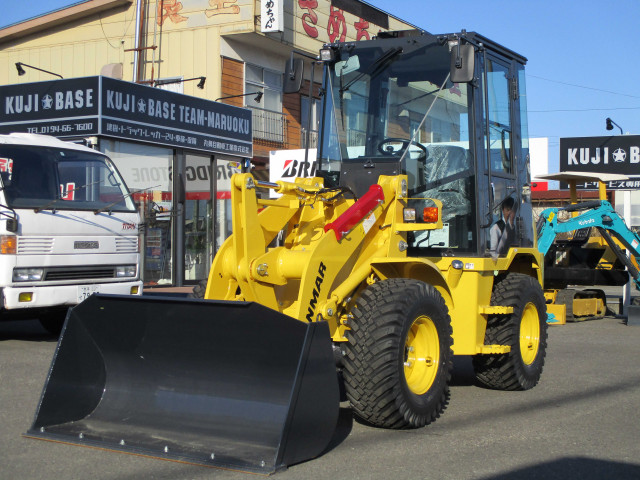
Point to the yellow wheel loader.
(413, 243)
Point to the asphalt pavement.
(580, 422)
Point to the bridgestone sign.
(615, 154)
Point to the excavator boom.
(600, 215)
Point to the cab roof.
(36, 140)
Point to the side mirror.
(12, 225)
(293, 74)
(462, 63)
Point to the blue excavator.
(583, 258)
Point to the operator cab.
(444, 110)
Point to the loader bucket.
(226, 384)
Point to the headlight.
(328, 55)
(409, 214)
(126, 271)
(27, 274)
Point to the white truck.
(68, 228)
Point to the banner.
(81, 107)
(271, 16)
(614, 154)
(288, 165)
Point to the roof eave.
(58, 17)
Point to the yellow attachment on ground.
(583, 307)
(556, 314)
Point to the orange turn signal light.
(430, 214)
(8, 244)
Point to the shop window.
(207, 225)
(269, 83)
(147, 171)
(268, 120)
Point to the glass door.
(147, 171)
(225, 168)
(207, 224)
(198, 228)
(498, 138)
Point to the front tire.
(525, 331)
(398, 358)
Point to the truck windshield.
(63, 179)
(390, 102)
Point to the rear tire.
(398, 360)
(525, 331)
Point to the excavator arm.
(601, 215)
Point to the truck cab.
(68, 228)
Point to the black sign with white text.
(114, 108)
(614, 154)
(62, 108)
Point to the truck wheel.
(525, 330)
(398, 358)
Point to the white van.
(68, 228)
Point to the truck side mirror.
(293, 74)
(12, 225)
(462, 63)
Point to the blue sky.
(582, 63)
(583, 57)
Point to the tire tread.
(371, 354)
(507, 371)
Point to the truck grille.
(35, 245)
(79, 273)
(45, 245)
(127, 245)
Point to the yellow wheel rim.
(529, 334)
(421, 355)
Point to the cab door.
(500, 131)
